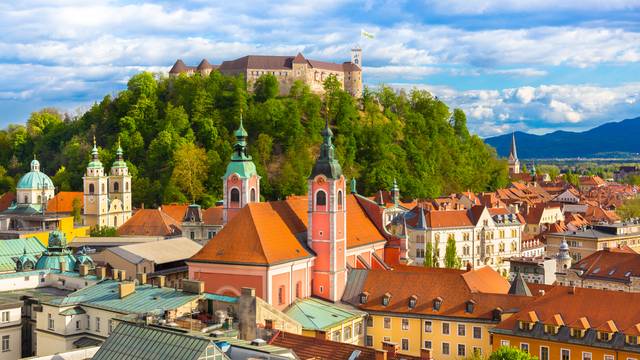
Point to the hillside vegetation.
(177, 136)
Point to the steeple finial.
(327, 164)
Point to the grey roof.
(138, 342)
(355, 283)
(160, 252)
(519, 286)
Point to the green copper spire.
(327, 164)
(395, 192)
(354, 189)
(241, 162)
(95, 160)
(119, 163)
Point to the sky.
(511, 65)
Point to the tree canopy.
(412, 136)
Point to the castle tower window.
(116, 186)
(235, 195)
(92, 189)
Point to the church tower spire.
(514, 163)
(241, 182)
(326, 231)
(96, 200)
(119, 190)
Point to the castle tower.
(563, 259)
(241, 183)
(356, 56)
(119, 191)
(326, 232)
(514, 163)
(96, 200)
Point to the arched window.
(116, 186)
(235, 195)
(126, 186)
(340, 200)
(253, 195)
(26, 199)
(92, 189)
(321, 198)
(39, 199)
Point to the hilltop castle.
(287, 69)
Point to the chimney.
(193, 286)
(115, 274)
(391, 348)
(63, 266)
(123, 275)
(126, 288)
(83, 270)
(101, 272)
(425, 354)
(142, 278)
(381, 355)
(160, 279)
(247, 313)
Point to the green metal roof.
(223, 298)
(35, 180)
(76, 310)
(145, 299)
(314, 314)
(244, 168)
(138, 342)
(11, 250)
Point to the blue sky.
(535, 66)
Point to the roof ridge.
(251, 207)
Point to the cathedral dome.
(35, 179)
(57, 253)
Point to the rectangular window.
(335, 336)
(477, 351)
(77, 324)
(445, 328)
(88, 322)
(462, 330)
(50, 322)
(405, 344)
(368, 340)
(346, 334)
(427, 344)
(427, 326)
(477, 332)
(386, 339)
(359, 328)
(281, 295)
(97, 324)
(387, 323)
(369, 321)
(405, 324)
(5, 316)
(110, 327)
(504, 342)
(586, 356)
(5, 343)
(565, 354)
(544, 353)
(608, 357)
(462, 350)
(445, 348)
(524, 347)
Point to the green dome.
(52, 261)
(35, 179)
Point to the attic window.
(604, 336)
(364, 297)
(497, 314)
(612, 271)
(412, 301)
(437, 302)
(627, 274)
(469, 306)
(597, 270)
(386, 299)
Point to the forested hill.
(610, 139)
(177, 136)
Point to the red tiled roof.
(176, 211)
(150, 222)
(213, 216)
(613, 264)
(62, 202)
(486, 280)
(573, 304)
(6, 200)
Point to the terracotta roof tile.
(320, 349)
(6, 200)
(150, 222)
(62, 202)
(610, 264)
(176, 211)
(486, 280)
(213, 216)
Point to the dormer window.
(412, 301)
(632, 340)
(497, 314)
(386, 299)
(469, 306)
(577, 333)
(604, 336)
(437, 303)
(364, 297)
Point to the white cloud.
(519, 6)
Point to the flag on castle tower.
(367, 35)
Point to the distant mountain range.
(614, 139)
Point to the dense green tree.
(511, 353)
(40, 120)
(629, 209)
(552, 170)
(451, 259)
(429, 256)
(265, 88)
(190, 170)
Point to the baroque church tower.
(241, 182)
(514, 163)
(107, 199)
(326, 231)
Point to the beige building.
(481, 238)
(287, 69)
(10, 330)
(587, 240)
